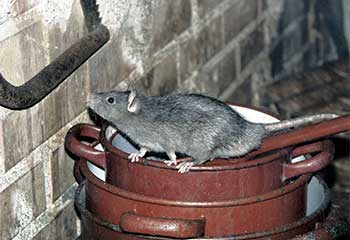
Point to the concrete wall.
(225, 48)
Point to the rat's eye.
(110, 100)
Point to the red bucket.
(96, 225)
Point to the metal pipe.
(38, 87)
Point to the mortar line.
(47, 167)
(177, 62)
(238, 64)
(194, 12)
(2, 150)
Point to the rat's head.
(114, 105)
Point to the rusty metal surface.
(35, 89)
(284, 206)
(95, 228)
(219, 181)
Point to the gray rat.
(199, 126)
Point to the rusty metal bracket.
(38, 87)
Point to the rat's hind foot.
(184, 166)
(136, 156)
(172, 160)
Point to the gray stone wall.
(226, 48)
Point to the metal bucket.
(318, 199)
(148, 215)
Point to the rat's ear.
(133, 102)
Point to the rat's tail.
(300, 121)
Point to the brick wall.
(227, 49)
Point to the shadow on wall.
(312, 33)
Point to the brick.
(20, 203)
(44, 118)
(238, 16)
(319, 52)
(63, 227)
(251, 46)
(243, 94)
(214, 79)
(16, 138)
(210, 40)
(189, 85)
(62, 172)
(189, 58)
(292, 42)
(107, 67)
(208, 82)
(170, 18)
(197, 51)
(75, 29)
(290, 11)
(23, 55)
(206, 6)
(264, 4)
(227, 70)
(162, 79)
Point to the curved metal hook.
(34, 90)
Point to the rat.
(199, 126)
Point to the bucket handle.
(80, 149)
(306, 134)
(313, 164)
(166, 227)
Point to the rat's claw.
(134, 157)
(170, 162)
(184, 166)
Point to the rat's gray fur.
(199, 126)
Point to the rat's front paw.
(184, 166)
